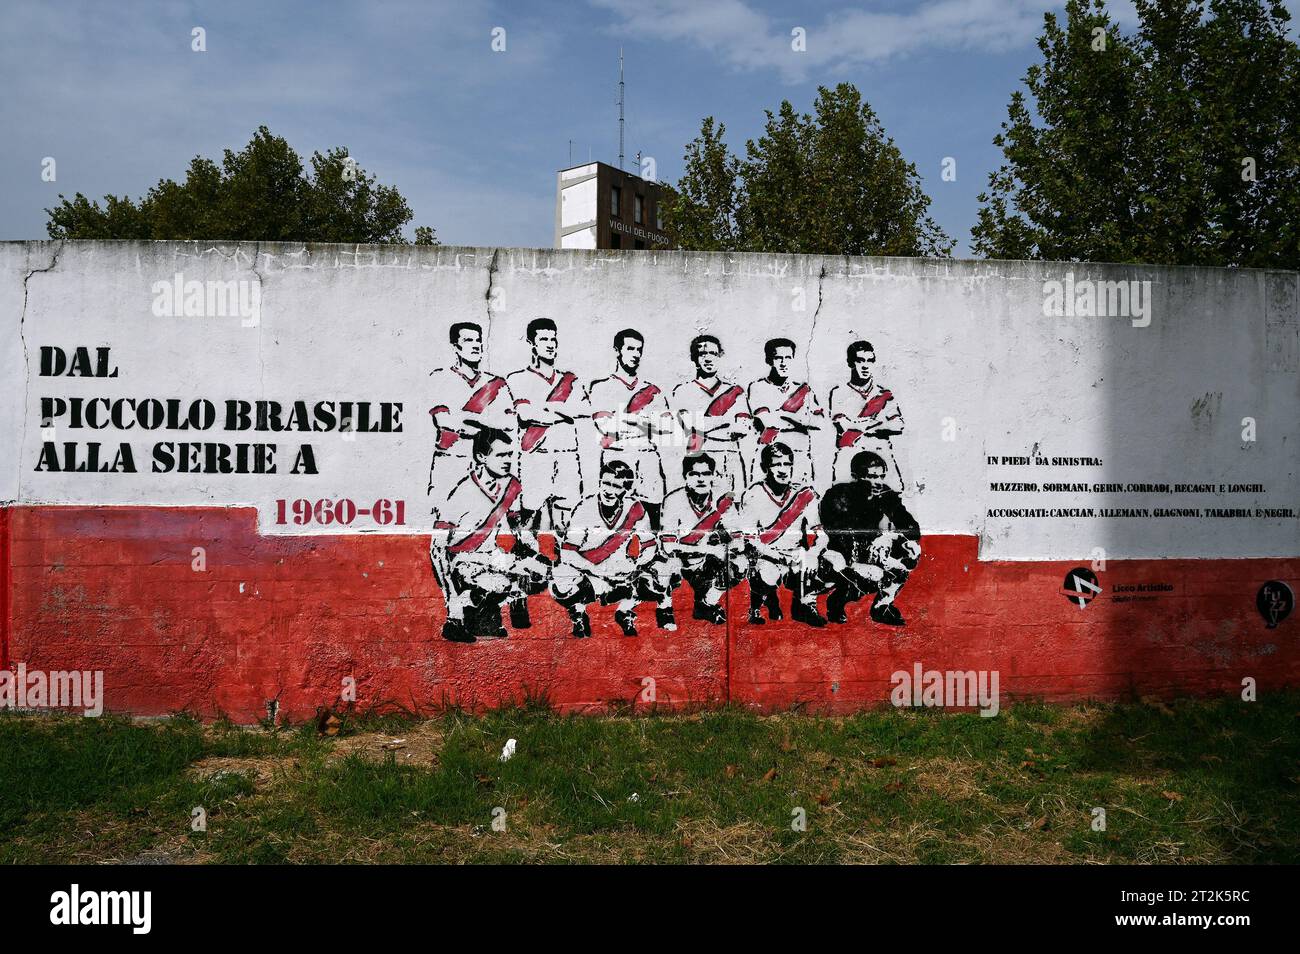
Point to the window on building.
(638, 209)
(616, 201)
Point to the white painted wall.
(962, 344)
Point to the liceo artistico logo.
(195, 298)
(1081, 586)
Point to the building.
(599, 206)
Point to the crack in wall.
(812, 332)
(261, 355)
(27, 365)
(487, 303)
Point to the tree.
(257, 194)
(1179, 145)
(832, 183)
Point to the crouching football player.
(597, 559)
(701, 531)
(787, 542)
(475, 573)
(877, 538)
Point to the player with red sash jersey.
(466, 399)
(787, 542)
(785, 409)
(714, 415)
(477, 576)
(702, 534)
(547, 403)
(632, 415)
(866, 417)
(608, 553)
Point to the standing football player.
(466, 399)
(547, 402)
(713, 415)
(866, 417)
(784, 409)
(632, 415)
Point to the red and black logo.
(1081, 586)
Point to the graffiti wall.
(248, 476)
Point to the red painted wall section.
(287, 618)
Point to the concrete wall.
(1194, 384)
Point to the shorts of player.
(801, 473)
(870, 567)
(447, 471)
(773, 573)
(842, 470)
(647, 469)
(550, 475)
(714, 573)
(648, 582)
(497, 572)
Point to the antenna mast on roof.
(620, 107)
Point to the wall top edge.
(369, 255)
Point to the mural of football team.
(702, 486)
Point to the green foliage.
(1132, 149)
(260, 193)
(830, 183)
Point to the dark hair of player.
(856, 347)
(458, 327)
(690, 460)
(625, 334)
(864, 461)
(702, 339)
(618, 469)
(540, 324)
(770, 451)
(485, 437)
(769, 349)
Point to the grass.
(1192, 782)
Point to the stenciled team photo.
(708, 484)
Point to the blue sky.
(473, 137)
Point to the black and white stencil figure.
(784, 409)
(877, 540)
(632, 415)
(702, 532)
(866, 417)
(548, 402)
(476, 574)
(465, 400)
(713, 414)
(609, 553)
(786, 540)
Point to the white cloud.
(743, 37)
